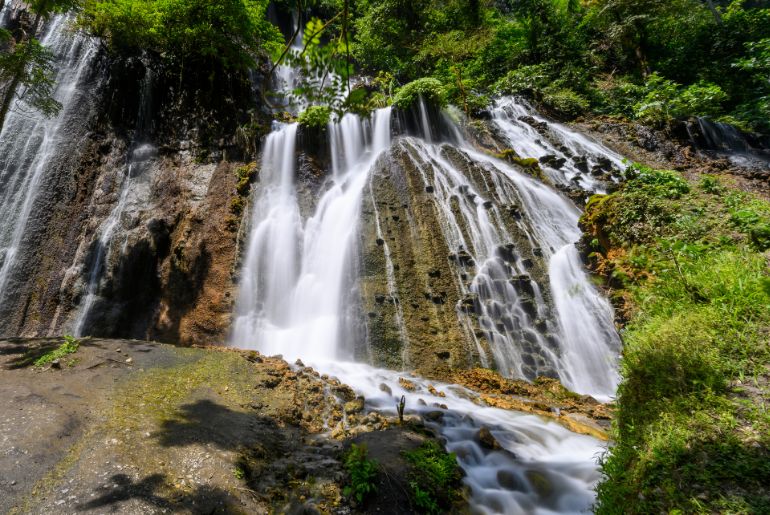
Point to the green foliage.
(316, 117)
(689, 437)
(246, 175)
(657, 183)
(362, 472)
(429, 89)
(565, 102)
(655, 60)
(752, 218)
(227, 33)
(70, 345)
(524, 80)
(434, 477)
(31, 64)
(664, 100)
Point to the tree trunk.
(713, 9)
(10, 92)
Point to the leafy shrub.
(362, 471)
(434, 477)
(565, 102)
(315, 117)
(525, 80)
(665, 100)
(661, 183)
(710, 184)
(429, 89)
(697, 293)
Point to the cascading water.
(30, 142)
(725, 139)
(292, 284)
(105, 242)
(570, 158)
(580, 345)
(294, 288)
(139, 158)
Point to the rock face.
(415, 289)
(135, 227)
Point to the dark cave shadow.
(151, 489)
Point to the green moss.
(530, 165)
(246, 175)
(429, 89)
(689, 435)
(315, 117)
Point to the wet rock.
(434, 416)
(553, 161)
(581, 163)
(406, 384)
(487, 440)
(509, 480)
(385, 388)
(539, 482)
(354, 406)
(540, 127)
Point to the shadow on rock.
(156, 491)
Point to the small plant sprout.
(400, 407)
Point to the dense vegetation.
(655, 60)
(651, 59)
(688, 259)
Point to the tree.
(27, 66)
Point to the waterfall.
(30, 143)
(532, 298)
(292, 281)
(575, 338)
(569, 157)
(727, 140)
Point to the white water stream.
(30, 143)
(295, 285)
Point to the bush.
(315, 117)
(429, 89)
(362, 472)
(660, 183)
(565, 102)
(665, 100)
(689, 438)
(525, 80)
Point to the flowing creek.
(296, 289)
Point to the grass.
(70, 345)
(434, 478)
(693, 429)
